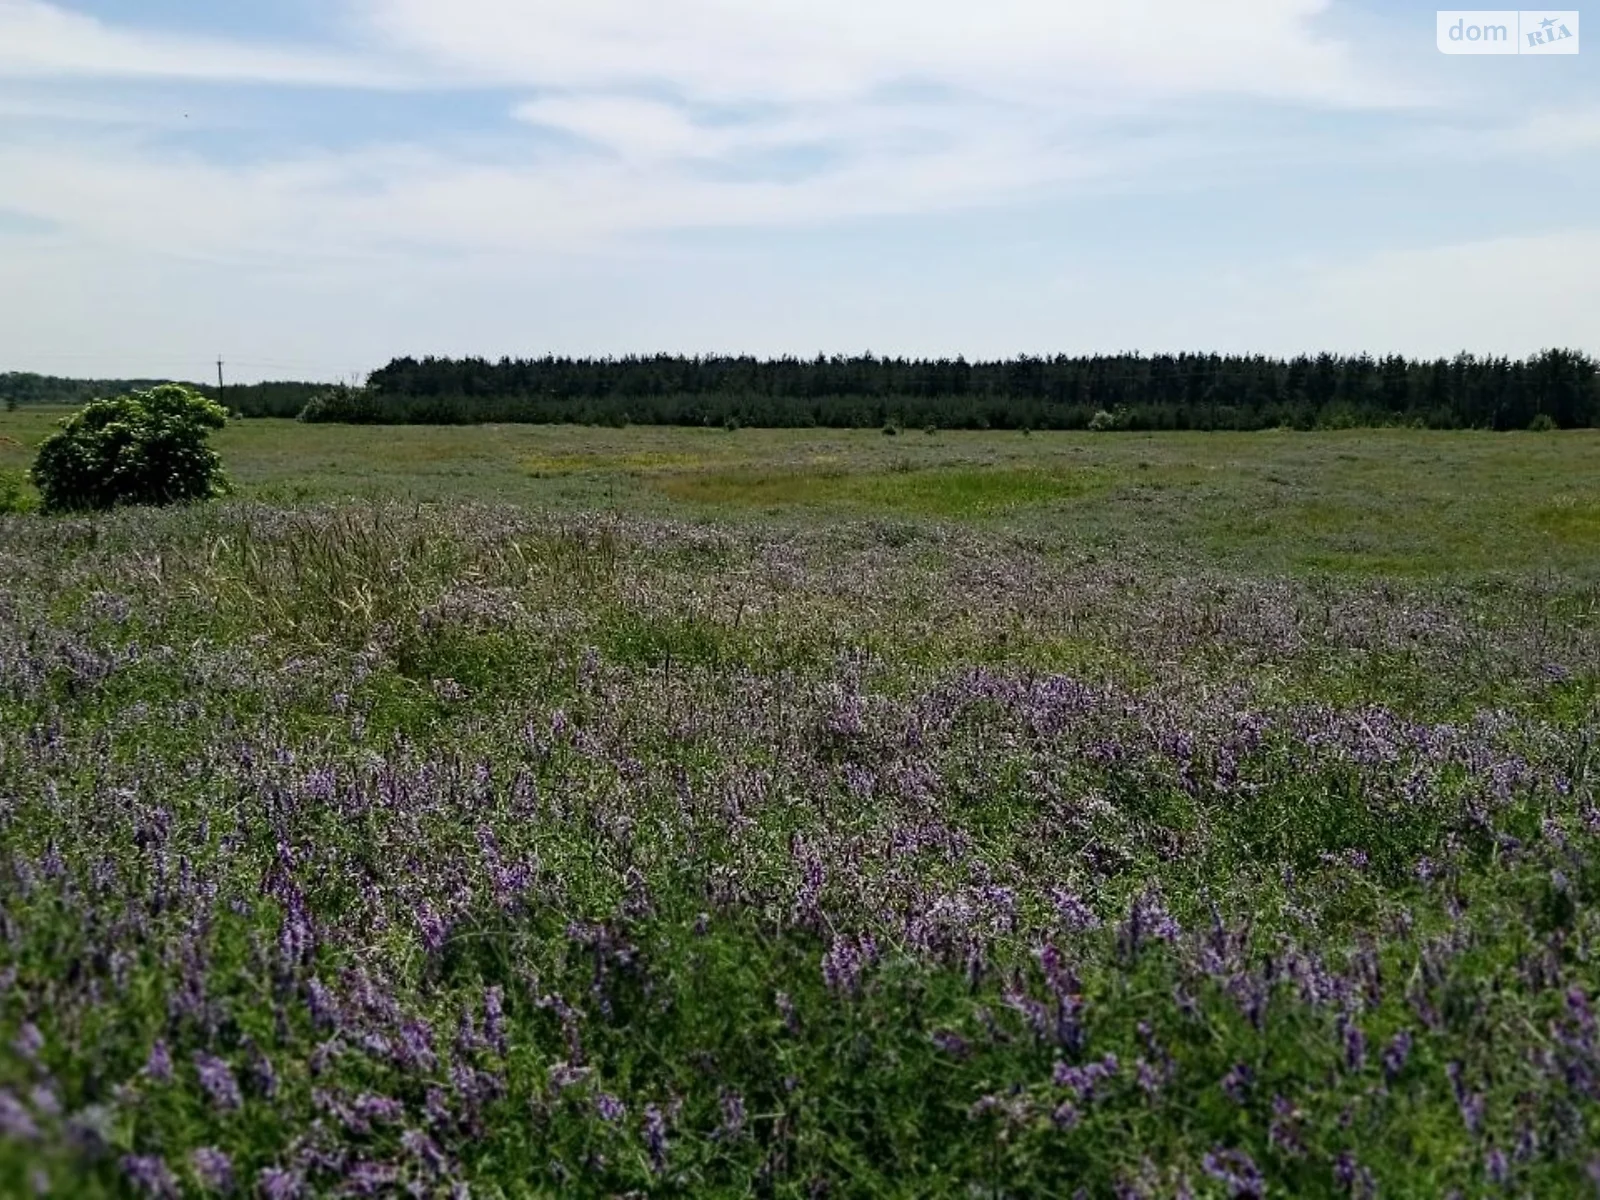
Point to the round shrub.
(342, 404)
(1543, 423)
(142, 448)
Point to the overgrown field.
(1099, 840)
(1396, 502)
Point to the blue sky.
(309, 189)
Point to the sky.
(309, 188)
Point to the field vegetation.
(521, 811)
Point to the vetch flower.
(655, 1138)
(149, 1176)
(216, 1077)
(213, 1168)
(1236, 1171)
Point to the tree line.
(1559, 388)
(277, 399)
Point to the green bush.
(1543, 423)
(142, 448)
(342, 404)
(1106, 422)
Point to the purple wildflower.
(436, 1107)
(563, 1075)
(733, 1115)
(1470, 1103)
(382, 1110)
(424, 1150)
(28, 1042)
(1149, 1078)
(1083, 1080)
(610, 1109)
(1355, 1045)
(655, 1138)
(1395, 1054)
(213, 1168)
(44, 1100)
(791, 1019)
(494, 1028)
(216, 1077)
(16, 1122)
(149, 1175)
(263, 1076)
(1578, 1006)
(431, 926)
(1283, 1135)
(371, 1179)
(275, 1183)
(323, 1004)
(1147, 920)
(158, 1066)
(1354, 1178)
(413, 1048)
(1238, 1081)
(1497, 1166)
(1072, 912)
(845, 960)
(1236, 1171)
(1527, 1143)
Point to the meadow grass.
(1362, 502)
(523, 812)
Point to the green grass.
(928, 491)
(1393, 502)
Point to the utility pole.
(222, 393)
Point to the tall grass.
(358, 849)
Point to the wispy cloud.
(615, 132)
(1506, 295)
(39, 40)
(799, 50)
(1543, 133)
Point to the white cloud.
(1542, 134)
(1511, 295)
(725, 114)
(634, 128)
(40, 41)
(400, 199)
(774, 51)
(1012, 97)
(800, 50)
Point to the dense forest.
(18, 388)
(1186, 391)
